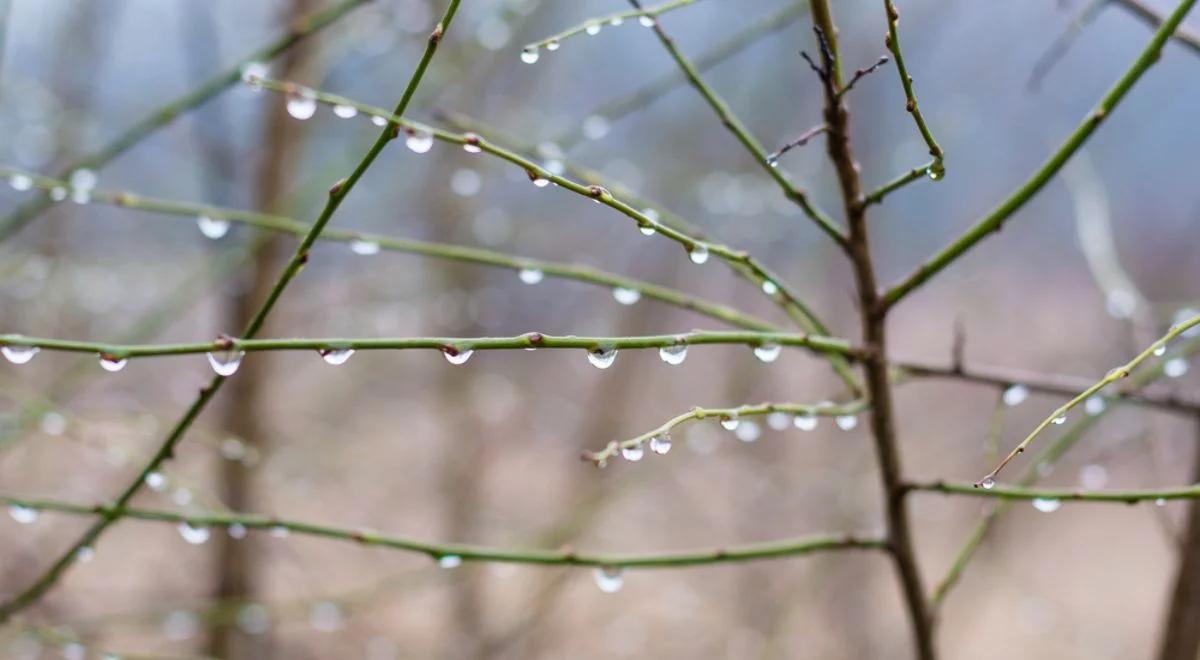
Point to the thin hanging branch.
(936, 169)
(1060, 494)
(592, 26)
(801, 141)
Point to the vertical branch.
(873, 314)
(1180, 639)
(935, 169)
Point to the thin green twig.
(1059, 494)
(937, 168)
(592, 26)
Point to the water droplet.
(595, 127)
(646, 21)
(592, 29)
(552, 45)
(193, 534)
(988, 483)
(647, 230)
(302, 104)
(773, 161)
(450, 561)
(85, 554)
(23, 514)
(935, 172)
(213, 228)
(806, 422)
(156, 481)
(345, 111)
(661, 444)
(768, 352)
(729, 422)
(626, 296)
(603, 357)
(336, 356)
(698, 253)
(747, 431)
(226, 363)
(1160, 351)
(253, 72)
(58, 193)
(1015, 395)
(633, 453)
(20, 182)
(471, 145)
(770, 288)
(779, 420)
(419, 141)
(19, 354)
(1175, 367)
(1160, 502)
(82, 179)
(674, 354)
(1046, 504)
(80, 196)
(847, 422)
(539, 180)
(1094, 405)
(280, 532)
(1061, 419)
(529, 55)
(379, 121)
(530, 275)
(609, 578)
(236, 531)
(615, 21)
(456, 356)
(364, 247)
(112, 363)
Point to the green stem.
(652, 12)
(936, 169)
(1060, 494)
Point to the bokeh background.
(488, 452)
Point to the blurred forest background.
(488, 452)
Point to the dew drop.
(1015, 395)
(449, 561)
(112, 364)
(626, 296)
(609, 578)
(23, 514)
(456, 356)
(806, 422)
(1061, 419)
(603, 357)
(336, 356)
(1046, 504)
(540, 181)
(227, 362)
(847, 422)
(58, 193)
(779, 420)
(85, 554)
(213, 228)
(660, 444)
(674, 354)
(616, 20)
(364, 247)
(1160, 502)
(770, 288)
(698, 253)
(647, 230)
(19, 354)
(302, 104)
(592, 29)
(935, 172)
(419, 142)
(193, 534)
(81, 196)
(595, 127)
(633, 453)
(471, 145)
(379, 121)
(747, 431)
(529, 55)
(236, 531)
(20, 182)
(646, 21)
(1175, 367)
(1160, 351)
(280, 532)
(253, 72)
(155, 481)
(767, 352)
(552, 45)
(530, 275)
(1094, 405)
(773, 161)
(82, 179)
(729, 422)
(345, 111)
(988, 483)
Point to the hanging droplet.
(1160, 351)
(748, 431)
(603, 357)
(646, 21)
(227, 362)
(779, 420)
(419, 142)
(457, 356)
(616, 20)
(364, 247)
(193, 534)
(471, 144)
(770, 288)
(806, 422)
(112, 363)
(847, 422)
(1160, 502)
(82, 179)
(253, 73)
(20, 182)
(530, 275)
(58, 193)
(345, 111)
(19, 354)
(302, 104)
(539, 180)
(647, 230)
(280, 532)
(609, 578)
(595, 127)
(935, 172)
(23, 514)
(674, 354)
(155, 481)
(552, 45)
(988, 483)
(1046, 504)
(768, 352)
(633, 453)
(1094, 405)
(529, 55)
(336, 356)
(773, 161)
(236, 531)
(698, 253)
(213, 228)
(661, 444)
(379, 121)
(1015, 395)
(1061, 419)
(730, 422)
(592, 29)
(1175, 367)
(85, 554)
(626, 296)
(449, 561)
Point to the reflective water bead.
(552, 45)
(1046, 504)
(379, 121)
(58, 193)
(193, 534)
(646, 21)
(592, 29)
(226, 363)
(449, 561)
(647, 230)
(595, 127)
(82, 179)
(616, 20)
(155, 481)
(112, 363)
(336, 356)
(345, 111)
(471, 145)
(603, 357)
(253, 72)
(770, 288)
(1175, 367)
(280, 532)
(85, 554)
(1015, 395)
(1160, 351)
(455, 356)
(530, 275)
(767, 352)
(419, 142)
(236, 531)
(935, 172)
(213, 228)
(988, 483)
(1094, 405)
(847, 422)
(698, 254)
(806, 422)
(364, 247)
(660, 444)
(302, 104)
(1160, 502)
(23, 514)
(529, 55)
(540, 181)
(748, 431)
(1061, 419)
(633, 453)
(730, 422)
(609, 578)
(674, 354)
(20, 182)
(626, 296)
(19, 354)
(779, 420)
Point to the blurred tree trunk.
(237, 575)
(1181, 633)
